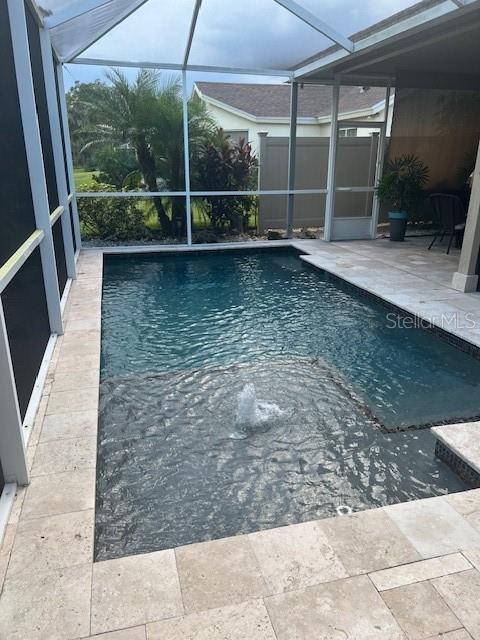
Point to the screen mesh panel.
(174, 16)
(17, 218)
(26, 317)
(228, 33)
(350, 16)
(68, 37)
(252, 34)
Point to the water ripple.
(189, 481)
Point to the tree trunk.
(178, 217)
(146, 163)
(177, 182)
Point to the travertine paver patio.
(404, 571)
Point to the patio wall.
(442, 128)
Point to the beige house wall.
(231, 121)
(442, 128)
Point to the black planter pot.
(398, 225)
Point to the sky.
(241, 33)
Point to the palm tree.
(147, 115)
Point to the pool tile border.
(460, 466)
(425, 324)
(47, 592)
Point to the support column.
(57, 144)
(68, 154)
(379, 166)
(186, 151)
(332, 159)
(292, 151)
(33, 147)
(262, 154)
(466, 279)
(12, 445)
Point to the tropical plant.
(402, 184)
(227, 166)
(81, 100)
(147, 116)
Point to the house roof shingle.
(273, 100)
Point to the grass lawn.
(199, 219)
(83, 179)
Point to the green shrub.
(227, 166)
(110, 218)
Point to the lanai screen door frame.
(332, 188)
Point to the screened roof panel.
(49, 7)
(72, 35)
(156, 32)
(252, 34)
(248, 34)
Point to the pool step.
(458, 445)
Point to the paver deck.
(405, 571)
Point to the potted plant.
(401, 187)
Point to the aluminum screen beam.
(168, 66)
(292, 152)
(186, 157)
(317, 24)
(332, 161)
(198, 194)
(12, 443)
(191, 34)
(72, 199)
(57, 145)
(379, 166)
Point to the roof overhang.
(313, 120)
(434, 48)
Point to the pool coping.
(68, 493)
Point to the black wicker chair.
(450, 214)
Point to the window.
(236, 135)
(347, 133)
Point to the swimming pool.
(244, 390)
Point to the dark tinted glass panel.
(28, 330)
(59, 254)
(42, 110)
(17, 219)
(73, 227)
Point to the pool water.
(182, 334)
